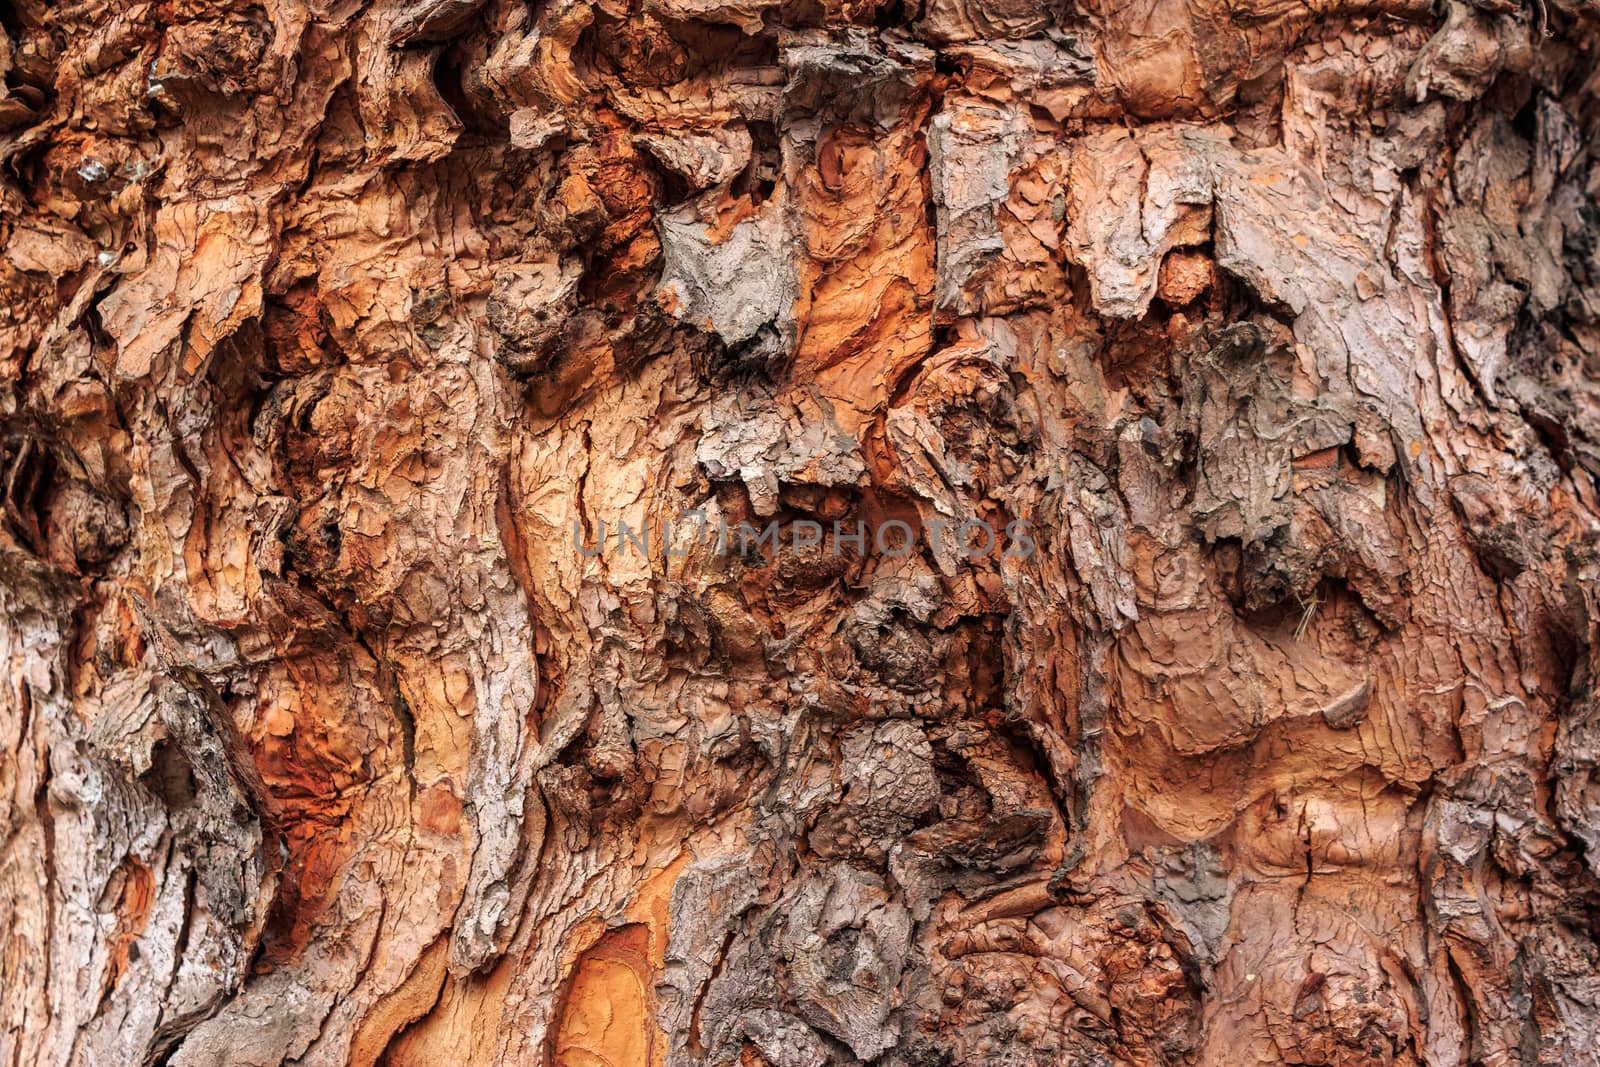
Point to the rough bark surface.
(325, 324)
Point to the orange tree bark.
(335, 334)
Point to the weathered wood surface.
(322, 322)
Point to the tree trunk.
(666, 532)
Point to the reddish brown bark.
(335, 335)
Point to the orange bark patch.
(867, 282)
(441, 811)
(135, 888)
(1321, 459)
(606, 1015)
(410, 1002)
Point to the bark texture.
(324, 324)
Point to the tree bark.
(390, 679)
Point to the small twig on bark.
(1308, 611)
